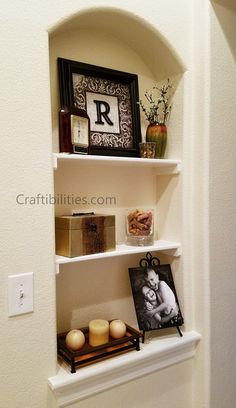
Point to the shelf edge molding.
(161, 166)
(168, 247)
(156, 355)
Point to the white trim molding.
(156, 354)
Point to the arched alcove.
(137, 33)
(100, 287)
(115, 39)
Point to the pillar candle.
(98, 332)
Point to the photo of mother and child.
(155, 298)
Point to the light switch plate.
(20, 293)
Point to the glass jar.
(139, 227)
(147, 150)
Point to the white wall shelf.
(161, 166)
(169, 247)
(156, 354)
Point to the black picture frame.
(171, 315)
(116, 130)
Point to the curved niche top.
(135, 32)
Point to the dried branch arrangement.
(159, 103)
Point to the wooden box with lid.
(85, 234)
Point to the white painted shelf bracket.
(172, 169)
(173, 252)
(54, 159)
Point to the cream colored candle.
(98, 332)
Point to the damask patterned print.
(83, 84)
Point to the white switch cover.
(20, 293)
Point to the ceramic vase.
(157, 132)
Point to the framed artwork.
(155, 299)
(110, 99)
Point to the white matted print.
(103, 112)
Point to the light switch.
(20, 293)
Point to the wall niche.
(121, 41)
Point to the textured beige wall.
(213, 170)
(28, 355)
(222, 199)
(28, 341)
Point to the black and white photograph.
(155, 299)
(110, 99)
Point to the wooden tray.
(89, 355)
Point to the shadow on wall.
(225, 11)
